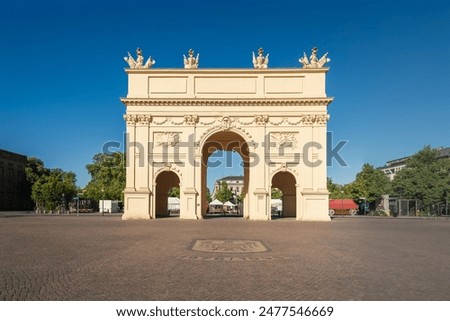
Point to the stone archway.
(285, 182)
(164, 182)
(226, 141)
(277, 118)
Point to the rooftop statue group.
(139, 62)
(259, 62)
(313, 62)
(191, 62)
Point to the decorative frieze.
(315, 119)
(137, 119)
(308, 120)
(261, 120)
(144, 119)
(191, 119)
(227, 102)
(226, 122)
(130, 119)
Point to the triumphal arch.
(276, 119)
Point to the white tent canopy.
(173, 200)
(276, 201)
(229, 204)
(216, 202)
(173, 203)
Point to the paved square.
(104, 258)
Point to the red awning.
(343, 204)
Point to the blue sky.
(62, 68)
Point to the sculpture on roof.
(191, 62)
(313, 62)
(260, 62)
(139, 62)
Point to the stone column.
(137, 192)
(141, 160)
(258, 184)
(130, 150)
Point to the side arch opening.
(285, 182)
(166, 181)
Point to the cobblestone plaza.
(105, 258)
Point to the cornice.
(247, 71)
(227, 102)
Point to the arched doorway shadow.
(285, 182)
(225, 141)
(165, 181)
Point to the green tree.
(107, 177)
(33, 171)
(338, 191)
(224, 194)
(425, 177)
(370, 183)
(276, 193)
(174, 192)
(52, 190)
(208, 195)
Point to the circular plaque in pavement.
(229, 246)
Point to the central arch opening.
(234, 202)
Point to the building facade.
(13, 183)
(235, 185)
(394, 166)
(276, 119)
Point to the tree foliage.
(107, 177)
(174, 192)
(54, 189)
(224, 194)
(370, 184)
(276, 193)
(50, 189)
(208, 195)
(35, 169)
(338, 191)
(425, 177)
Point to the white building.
(108, 206)
(235, 185)
(394, 166)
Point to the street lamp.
(342, 202)
(78, 204)
(103, 213)
(235, 197)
